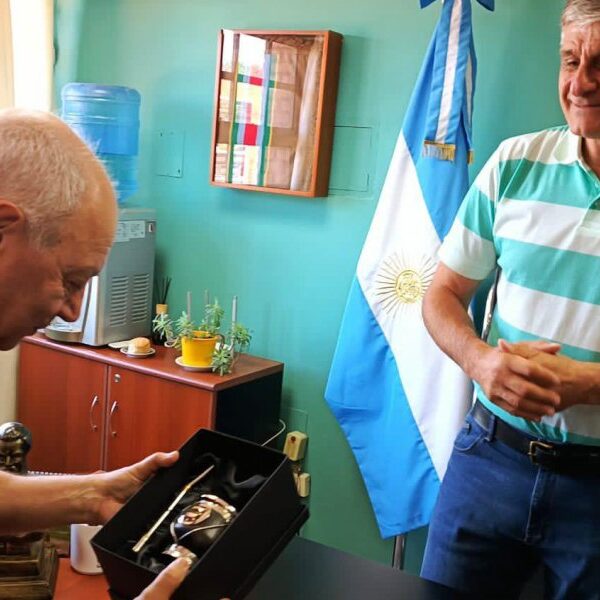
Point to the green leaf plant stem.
(235, 340)
(163, 325)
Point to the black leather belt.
(566, 457)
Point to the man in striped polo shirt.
(523, 484)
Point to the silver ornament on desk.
(198, 525)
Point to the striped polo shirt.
(534, 209)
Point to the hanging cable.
(283, 428)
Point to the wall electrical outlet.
(295, 445)
(303, 484)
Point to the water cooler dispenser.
(107, 118)
(117, 304)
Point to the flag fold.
(399, 400)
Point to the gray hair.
(581, 12)
(40, 173)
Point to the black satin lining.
(222, 481)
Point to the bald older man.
(57, 222)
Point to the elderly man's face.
(579, 80)
(39, 284)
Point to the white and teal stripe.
(535, 211)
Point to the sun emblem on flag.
(402, 282)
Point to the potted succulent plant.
(198, 342)
(203, 345)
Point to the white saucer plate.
(119, 345)
(190, 367)
(138, 354)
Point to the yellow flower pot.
(197, 351)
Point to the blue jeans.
(498, 517)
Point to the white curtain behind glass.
(303, 158)
(26, 63)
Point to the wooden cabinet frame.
(315, 177)
(90, 408)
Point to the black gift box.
(268, 518)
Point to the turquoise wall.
(290, 260)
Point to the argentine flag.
(398, 398)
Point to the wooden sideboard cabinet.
(90, 408)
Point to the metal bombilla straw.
(144, 539)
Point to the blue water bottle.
(107, 118)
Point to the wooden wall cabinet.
(91, 409)
(275, 96)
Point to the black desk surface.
(306, 570)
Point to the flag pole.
(399, 550)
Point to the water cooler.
(107, 118)
(117, 304)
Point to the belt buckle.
(534, 446)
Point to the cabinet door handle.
(94, 403)
(116, 378)
(113, 409)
